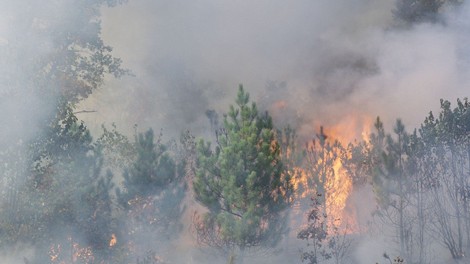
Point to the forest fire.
(323, 172)
(340, 187)
(353, 127)
(75, 254)
(125, 140)
(323, 165)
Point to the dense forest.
(249, 179)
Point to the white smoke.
(335, 57)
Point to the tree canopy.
(242, 182)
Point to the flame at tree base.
(337, 200)
(324, 174)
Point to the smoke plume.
(308, 63)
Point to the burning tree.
(242, 183)
(329, 187)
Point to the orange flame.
(350, 128)
(113, 240)
(339, 191)
(338, 184)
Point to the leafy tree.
(69, 59)
(117, 149)
(242, 183)
(65, 196)
(57, 191)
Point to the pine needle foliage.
(242, 183)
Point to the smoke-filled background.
(307, 62)
(336, 64)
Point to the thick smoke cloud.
(191, 56)
(19, 105)
(22, 44)
(308, 62)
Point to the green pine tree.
(242, 183)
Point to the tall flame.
(354, 127)
(350, 128)
(338, 196)
(337, 183)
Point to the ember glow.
(113, 240)
(352, 127)
(324, 171)
(340, 187)
(72, 253)
(327, 178)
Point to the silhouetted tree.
(315, 233)
(447, 140)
